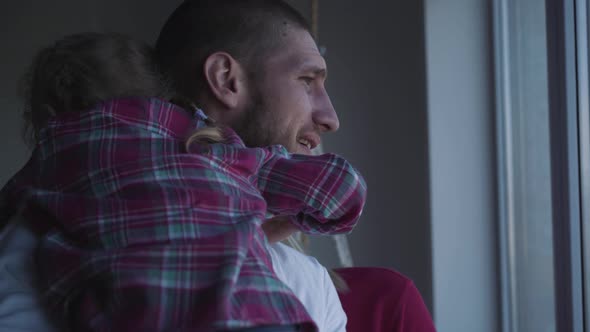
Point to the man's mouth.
(305, 143)
(309, 142)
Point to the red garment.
(383, 300)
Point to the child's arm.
(321, 194)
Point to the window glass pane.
(525, 162)
(583, 58)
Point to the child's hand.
(278, 229)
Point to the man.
(254, 66)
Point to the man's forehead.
(307, 61)
(301, 52)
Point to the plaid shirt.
(139, 235)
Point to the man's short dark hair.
(246, 29)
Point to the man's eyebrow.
(316, 70)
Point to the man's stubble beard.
(257, 125)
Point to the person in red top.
(381, 300)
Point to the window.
(542, 142)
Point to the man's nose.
(324, 115)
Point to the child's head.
(80, 70)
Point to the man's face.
(289, 104)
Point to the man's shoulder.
(310, 282)
(289, 263)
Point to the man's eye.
(307, 80)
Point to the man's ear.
(225, 78)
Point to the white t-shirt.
(20, 309)
(311, 283)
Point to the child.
(151, 217)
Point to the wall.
(29, 25)
(376, 64)
(461, 132)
